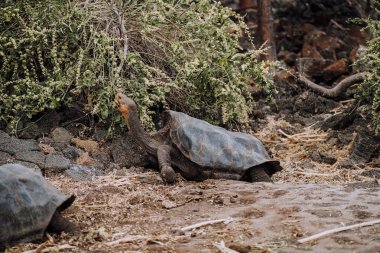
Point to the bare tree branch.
(341, 87)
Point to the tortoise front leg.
(258, 174)
(164, 162)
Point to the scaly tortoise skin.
(29, 206)
(198, 149)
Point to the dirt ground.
(134, 211)
(330, 177)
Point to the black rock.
(72, 153)
(346, 164)
(323, 157)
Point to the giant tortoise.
(29, 206)
(198, 149)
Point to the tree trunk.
(265, 24)
(246, 4)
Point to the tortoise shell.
(27, 204)
(215, 147)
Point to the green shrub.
(370, 89)
(54, 52)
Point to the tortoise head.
(125, 105)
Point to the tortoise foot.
(168, 174)
(59, 224)
(258, 174)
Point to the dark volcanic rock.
(311, 103)
(35, 157)
(72, 153)
(61, 137)
(56, 163)
(346, 164)
(372, 174)
(323, 157)
(4, 157)
(13, 145)
(82, 173)
(311, 67)
(30, 131)
(101, 156)
(365, 146)
(47, 122)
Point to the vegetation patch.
(370, 88)
(53, 53)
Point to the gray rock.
(32, 157)
(372, 173)
(100, 134)
(61, 137)
(71, 152)
(346, 164)
(13, 145)
(82, 173)
(4, 157)
(101, 156)
(365, 146)
(56, 163)
(4, 135)
(323, 157)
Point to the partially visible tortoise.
(29, 206)
(198, 149)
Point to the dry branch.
(48, 249)
(341, 87)
(336, 230)
(205, 223)
(222, 247)
(129, 238)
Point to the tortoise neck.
(142, 138)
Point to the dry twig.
(129, 238)
(205, 223)
(222, 247)
(48, 249)
(336, 230)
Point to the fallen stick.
(334, 92)
(313, 174)
(222, 247)
(48, 249)
(205, 223)
(129, 238)
(336, 230)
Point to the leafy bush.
(54, 52)
(370, 88)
